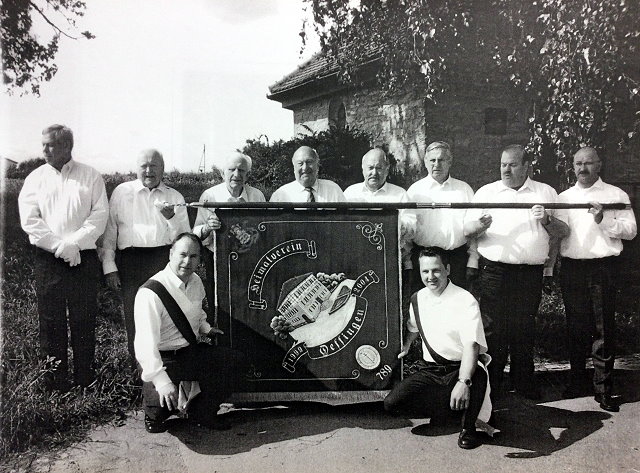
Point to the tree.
(24, 168)
(26, 61)
(574, 59)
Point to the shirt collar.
(243, 194)
(139, 186)
(596, 185)
(66, 167)
(383, 190)
(314, 186)
(526, 186)
(174, 279)
(431, 182)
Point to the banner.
(333, 275)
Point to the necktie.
(310, 197)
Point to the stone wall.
(407, 124)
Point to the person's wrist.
(465, 381)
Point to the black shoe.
(469, 439)
(607, 402)
(154, 426)
(214, 423)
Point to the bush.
(340, 154)
(23, 168)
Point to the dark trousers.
(509, 299)
(61, 288)
(589, 294)
(135, 266)
(220, 371)
(428, 392)
(458, 258)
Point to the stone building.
(476, 119)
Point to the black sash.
(174, 310)
(436, 357)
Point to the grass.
(34, 420)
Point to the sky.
(171, 75)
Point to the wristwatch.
(466, 381)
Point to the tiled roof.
(317, 67)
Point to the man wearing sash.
(308, 187)
(234, 189)
(168, 318)
(448, 320)
(588, 275)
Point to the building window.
(337, 114)
(495, 121)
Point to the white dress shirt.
(323, 191)
(387, 193)
(515, 236)
(439, 227)
(220, 193)
(450, 320)
(156, 331)
(68, 205)
(588, 239)
(135, 221)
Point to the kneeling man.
(168, 317)
(447, 318)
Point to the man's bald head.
(306, 164)
(375, 169)
(587, 166)
(150, 167)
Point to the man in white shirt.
(142, 224)
(63, 208)
(235, 172)
(166, 356)
(375, 188)
(308, 187)
(588, 275)
(442, 227)
(513, 246)
(450, 376)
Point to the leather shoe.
(469, 439)
(607, 402)
(154, 426)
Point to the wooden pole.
(398, 205)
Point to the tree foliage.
(575, 60)
(27, 60)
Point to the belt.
(171, 353)
(143, 249)
(488, 262)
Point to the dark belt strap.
(174, 310)
(441, 360)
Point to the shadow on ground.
(253, 427)
(533, 429)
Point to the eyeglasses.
(579, 164)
